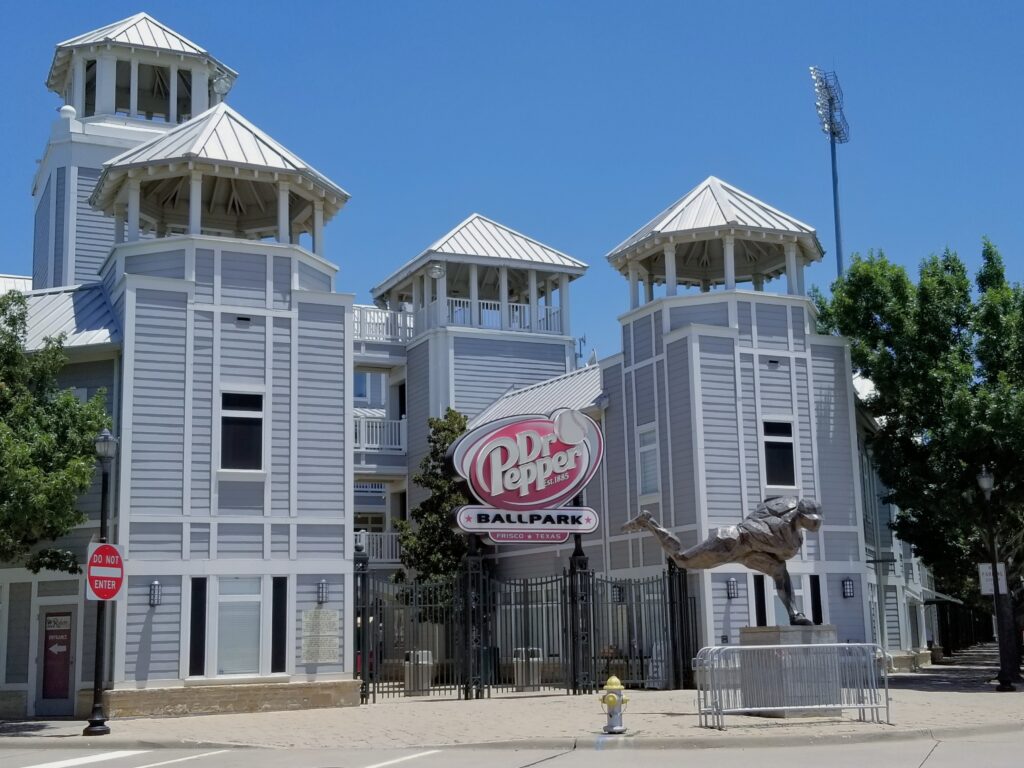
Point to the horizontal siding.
(832, 426)
(681, 424)
(615, 448)
(59, 224)
(202, 411)
(320, 541)
(745, 322)
(240, 540)
(281, 419)
(702, 314)
(282, 282)
(158, 407)
(806, 458)
(643, 336)
(751, 458)
(643, 380)
(199, 541)
(154, 541)
(312, 279)
(729, 615)
(94, 232)
(721, 438)
(204, 275)
(19, 620)
(893, 640)
(153, 633)
(846, 614)
(242, 351)
(799, 333)
(280, 538)
(165, 264)
(243, 279)
(776, 387)
(772, 326)
(92, 377)
(41, 241)
(487, 368)
(417, 401)
(240, 497)
(842, 546)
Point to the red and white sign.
(104, 572)
(523, 470)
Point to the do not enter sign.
(104, 573)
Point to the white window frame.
(230, 413)
(791, 440)
(655, 449)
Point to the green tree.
(47, 456)
(947, 363)
(430, 545)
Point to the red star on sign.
(587, 519)
(469, 518)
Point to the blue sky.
(577, 122)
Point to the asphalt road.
(1000, 751)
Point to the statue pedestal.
(789, 679)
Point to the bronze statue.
(763, 542)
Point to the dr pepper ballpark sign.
(524, 470)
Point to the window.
(816, 614)
(241, 433)
(123, 87)
(361, 386)
(154, 92)
(779, 467)
(760, 605)
(197, 629)
(89, 108)
(279, 626)
(238, 625)
(647, 448)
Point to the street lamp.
(829, 103)
(1007, 662)
(106, 450)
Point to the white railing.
(490, 314)
(487, 314)
(460, 312)
(549, 320)
(519, 317)
(376, 324)
(375, 434)
(368, 488)
(382, 547)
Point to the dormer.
(716, 236)
(138, 68)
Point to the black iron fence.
(475, 635)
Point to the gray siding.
(643, 335)
(154, 541)
(199, 541)
(627, 345)
(729, 615)
(204, 275)
(321, 409)
(94, 232)
(643, 380)
(323, 541)
(417, 401)
(202, 411)
(772, 327)
(681, 423)
(282, 282)
(751, 460)
(152, 640)
(92, 377)
(281, 419)
(242, 351)
(893, 641)
(240, 540)
(243, 279)
(841, 545)
(279, 541)
(721, 438)
(847, 614)
(164, 264)
(312, 279)
(831, 412)
(703, 314)
(240, 497)
(305, 599)
(799, 336)
(59, 222)
(486, 368)
(158, 409)
(41, 241)
(745, 322)
(776, 388)
(629, 441)
(803, 428)
(19, 618)
(664, 455)
(616, 510)
(658, 332)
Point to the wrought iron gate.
(475, 635)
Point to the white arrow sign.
(56, 648)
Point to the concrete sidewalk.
(942, 701)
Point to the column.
(195, 204)
(633, 278)
(172, 110)
(118, 224)
(133, 90)
(503, 295)
(922, 626)
(78, 84)
(318, 228)
(534, 311)
(670, 270)
(416, 305)
(729, 256)
(442, 299)
(758, 282)
(283, 224)
(800, 278)
(563, 303)
(106, 82)
(791, 278)
(134, 199)
(393, 303)
(201, 93)
(474, 296)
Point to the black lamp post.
(1007, 654)
(106, 450)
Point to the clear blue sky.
(577, 122)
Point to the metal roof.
(82, 312)
(138, 31)
(15, 283)
(714, 204)
(579, 389)
(479, 236)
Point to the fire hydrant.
(614, 700)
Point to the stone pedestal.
(770, 679)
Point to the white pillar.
(503, 295)
(118, 224)
(800, 277)
(670, 270)
(106, 83)
(428, 290)
(172, 110)
(416, 305)
(195, 203)
(633, 279)
(134, 200)
(648, 288)
(563, 303)
(729, 256)
(758, 282)
(78, 84)
(201, 93)
(922, 627)
(791, 278)
(133, 89)
(474, 296)
(442, 299)
(534, 310)
(318, 228)
(283, 224)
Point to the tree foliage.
(47, 455)
(430, 545)
(947, 362)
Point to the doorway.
(55, 686)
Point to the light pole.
(829, 103)
(1007, 654)
(106, 450)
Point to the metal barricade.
(811, 679)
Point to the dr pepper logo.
(530, 463)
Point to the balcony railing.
(376, 324)
(460, 312)
(382, 547)
(375, 434)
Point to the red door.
(57, 655)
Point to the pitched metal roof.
(82, 312)
(579, 389)
(479, 236)
(138, 31)
(714, 204)
(15, 283)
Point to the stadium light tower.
(829, 103)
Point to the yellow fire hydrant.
(614, 700)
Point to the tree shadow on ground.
(972, 670)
